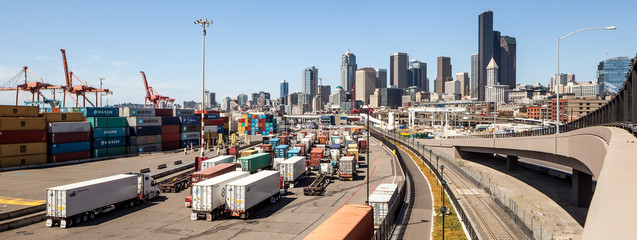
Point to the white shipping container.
(210, 129)
(293, 168)
(72, 199)
(381, 201)
(217, 160)
(276, 162)
(245, 193)
(134, 112)
(335, 154)
(209, 194)
(68, 127)
(307, 142)
(347, 165)
(143, 121)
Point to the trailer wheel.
(247, 215)
(272, 199)
(131, 203)
(68, 222)
(77, 219)
(84, 217)
(91, 215)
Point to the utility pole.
(204, 23)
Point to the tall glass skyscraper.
(284, 88)
(611, 74)
(418, 75)
(348, 70)
(310, 81)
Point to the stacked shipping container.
(190, 131)
(109, 131)
(22, 136)
(69, 140)
(253, 124)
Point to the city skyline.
(170, 49)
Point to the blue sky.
(253, 45)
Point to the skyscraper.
(365, 84)
(507, 61)
(494, 92)
(310, 81)
(284, 89)
(444, 74)
(611, 74)
(242, 99)
(398, 72)
(477, 88)
(418, 75)
(381, 78)
(486, 51)
(348, 70)
(463, 78)
(324, 92)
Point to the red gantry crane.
(78, 90)
(154, 97)
(35, 88)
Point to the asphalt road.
(421, 218)
(292, 217)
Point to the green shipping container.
(103, 152)
(254, 162)
(107, 122)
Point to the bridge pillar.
(582, 189)
(512, 163)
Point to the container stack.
(190, 130)
(169, 133)
(22, 136)
(69, 137)
(253, 124)
(214, 125)
(145, 133)
(108, 133)
(244, 124)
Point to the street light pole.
(557, 77)
(204, 23)
(443, 209)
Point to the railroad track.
(499, 230)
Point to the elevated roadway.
(607, 154)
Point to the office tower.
(611, 74)
(391, 97)
(463, 79)
(348, 70)
(365, 84)
(242, 99)
(324, 91)
(284, 89)
(381, 78)
(494, 92)
(444, 74)
(398, 72)
(488, 46)
(254, 98)
(337, 98)
(310, 81)
(477, 88)
(570, 78)
(507, 63)
(418, 75)
(293, 98)
(225, 104)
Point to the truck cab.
(148, 189)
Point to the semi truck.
(244, 194)
(292, 169)
(208, 199)
(74, 203)
(347, 168)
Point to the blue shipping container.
(294, 152)
(100, 112)
(109, 142)
(281, 151)
(109, 132)
(187, 120)
(144, 131)
(186, 143)
(169, 121)
(69, 147)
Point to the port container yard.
(305, 213)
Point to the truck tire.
(272, 199)
(84, 217)
(77, 219)
(131, 203)
(91, 215)
(68, 223)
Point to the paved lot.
(293, 217)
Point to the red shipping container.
(63, 157)
(302, 146)
(163, 112)
(213, 122)
(69, 137)
(167, 146)
(315, 155)
(29, 136)
(242, 120)
(166, 129)
(225, 119)
(170, 137)
(232, 151)
(214, 171)
(266, 147)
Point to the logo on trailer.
(73, 194)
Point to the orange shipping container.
(22, 123)
(63, 117)
(351, 222)
(19, 111)
(302, 146)
(25, 160)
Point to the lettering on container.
(64, 116)
(15, 111)
(23, 148)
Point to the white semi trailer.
(78, 202)
(244, 194)
(208, 197)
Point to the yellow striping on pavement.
(20, 201)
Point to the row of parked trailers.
(35, 136)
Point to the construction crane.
(34, 87)
(154, 97)
(78, 90)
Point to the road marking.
(20, 201)
(20, 174)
